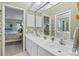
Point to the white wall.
(0, 5)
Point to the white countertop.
(54, 50)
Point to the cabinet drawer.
(43, 52)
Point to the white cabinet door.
(27, 44)
(34, 49)
(30, 47)
(30, 20)
(43, 52)
(39, 21)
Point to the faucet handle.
(62, 42)
(52, 39)
(74, 49)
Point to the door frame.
(3, 26)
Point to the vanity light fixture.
(77, 5)
(77, 17)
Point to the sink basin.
(52, 44)
(56, 43)
(56, 46)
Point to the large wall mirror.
(46, 25)
(63, 21)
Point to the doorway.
(13, 30)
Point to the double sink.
(55, 44)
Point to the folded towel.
(76, 38)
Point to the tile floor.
(13, 48)
(22, 54)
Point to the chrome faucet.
(62, 42)
(37, 34)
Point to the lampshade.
(78, 5)
(77, 17)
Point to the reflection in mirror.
(46, 25)
(8, 26)
(62, 25)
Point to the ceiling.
(34, 6)
(40, 6)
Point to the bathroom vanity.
(60, 44)
(40, 46)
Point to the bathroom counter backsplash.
(32, 30)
